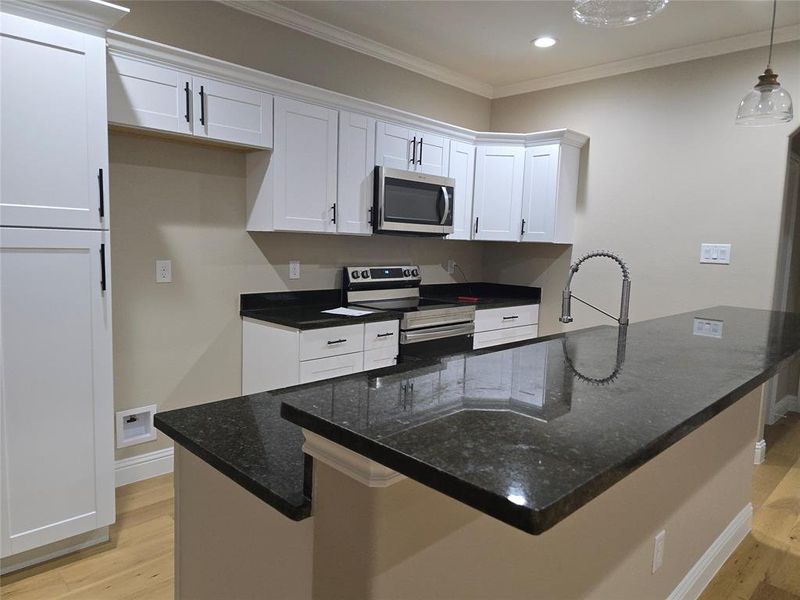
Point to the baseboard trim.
(703, 571)
(143, 466)
(15, 562)
(761, 452)
(789, 403)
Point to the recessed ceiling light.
(544, 42)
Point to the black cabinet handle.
(333, 208)
(383, 335)
(522, 231)
(202, 105)
(102, 208)
(420, 150)
(476, 224)
(414, 150)
(188, 101)
(103, 267)
(370, 215)
(331, 342)
(511, 318)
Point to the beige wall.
(178, 344)
(665, 170)
(216, 30)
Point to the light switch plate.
(715, 254)
(658, 550)
(163, 271)
(294, 269)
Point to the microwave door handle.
(446, 211)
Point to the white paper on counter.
(348, 312)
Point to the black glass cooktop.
(406, 304)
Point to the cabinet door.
(304, 166)
(462, 169)
(432, 153)
(231, 113)
(54, 140)
(148, 96)
(498, 193)
(395, 146)
(356, 168)
(56, 399)
(540, 194)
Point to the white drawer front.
(331, 341)
(501, 318)
(334, 366)
(381, 335)
(377, 359)
(486, 339)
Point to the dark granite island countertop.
(530, 433)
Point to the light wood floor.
(136, 564)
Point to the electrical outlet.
(163, 271)
(451, 266)
(658, 550)
(294, 269)
(715, 254)
(707, 327)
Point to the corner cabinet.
(150, 96)
(54, 142)
(498, 193)
(462, 169)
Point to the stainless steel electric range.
(428, 327)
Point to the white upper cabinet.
(356, 168)
(56, 404)
(231, 113)
(550, 193)
(540, 193)
(149, 96)
(498, 193)
(145, 95)
(54, 170)
(304, 167)
(409, 149)
(462, 169)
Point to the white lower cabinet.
(495, 326)
(275, 356)
(56, 400)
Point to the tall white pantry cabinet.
(56, 380)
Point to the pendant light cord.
(772, 32)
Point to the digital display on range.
(395, 272)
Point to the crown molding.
(649, 61)
(266, 9)
(88, 16)
(347, 39)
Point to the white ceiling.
(484, 46)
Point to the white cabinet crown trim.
(122, 44)
(92, 16)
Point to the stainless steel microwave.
(412, 203)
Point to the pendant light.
(608, 14)
(767, 103)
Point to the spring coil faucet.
(567, 295)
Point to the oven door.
(436, 341)
(413, 203)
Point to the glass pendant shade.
(616, 13)
(766, 104)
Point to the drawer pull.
(511, 318)
(331, 342)
(383, 335)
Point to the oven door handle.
(446, 211)
(436, 333)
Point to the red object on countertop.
(468, 299)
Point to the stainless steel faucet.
(567, 295)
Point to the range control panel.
(401, 274)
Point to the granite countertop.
(490, 295)
(531, 432)
(303, 310)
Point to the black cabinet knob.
(365, 274)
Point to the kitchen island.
(539, 470)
